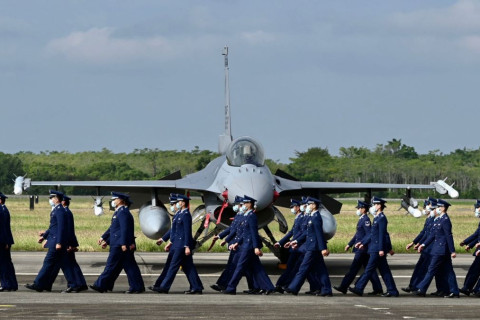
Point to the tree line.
(393, 162)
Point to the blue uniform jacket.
(5, 230)
(473, 239)
(121, 231)
(57, 231)
(426, 227)
(72, 237)
(231, 227)
(236, 233)
(441, 238)
(249, 233)
(295, 230)
(378, 239)
(181, 232)
(363, 228)
(314, 236)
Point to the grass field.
(402, 228)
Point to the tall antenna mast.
(226, 137)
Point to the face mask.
(243, 208)
(235, 208)
(372, 210)
(432, 214)
(177, 205)
(359, 213)
(302, 208)
(477, 212)
(113, 204)
(424, 212)
(308, 210)
(293, 210)
(439, 211)
(51, 202)
(172, 208)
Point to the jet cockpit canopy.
(245, 150)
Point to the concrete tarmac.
(26, 304)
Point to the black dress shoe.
(464, 291)
(418, 293)
(193, 292)
(340, 289)
(68, 290)
(356, 291)
(98, 289)
(2, 289)
(375, 293)
(279, 289)
(476, 294)
(452, 295)
(130, 291)
(216, 287)
(438, 293)
(287, 290)
(389, 295)
(81, 288)
(320, 294)
(251, 291)
(228, 292)
(310, 292)
(266, 292)
(33, 287)
(407, 289)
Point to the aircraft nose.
(253, 181)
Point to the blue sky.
(83, 75)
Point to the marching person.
(422, 264)
(71, 269)
(442, 252)
(120, 236)
(315, 250)
(361, 255)
(57, 242)
(249, 246)
(230, 235)
(471, 242)
(378, 247)
(7, 270)
(181, 250)
(294, 255)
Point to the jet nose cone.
(253, 181)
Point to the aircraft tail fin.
(226, 137)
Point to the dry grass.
(402, 228)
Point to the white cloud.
(99, 45)
(258, 37)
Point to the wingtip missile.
(442, 187)
(21, 184)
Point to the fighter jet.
(239, 170)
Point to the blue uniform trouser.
(421, 269)
(72, 272)
(249, 264)
(360, 260)
(7, 270)
(292, 269)
(313, 265)
(227, 273)
(442, 267)
(50, 268)
(374, 262)
(178, 258)
(116, 261)
(472, 275)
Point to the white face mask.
(243, 208)
(50, 201)
(372, 210)
(439, 211)
(235, 208)
(477, 212)
(172, 208)
(302, 208)
(424, 212)
(293, 210)
(177, 205)
(359, 213)
(308, 210)
(432, 214)
(113, 204)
